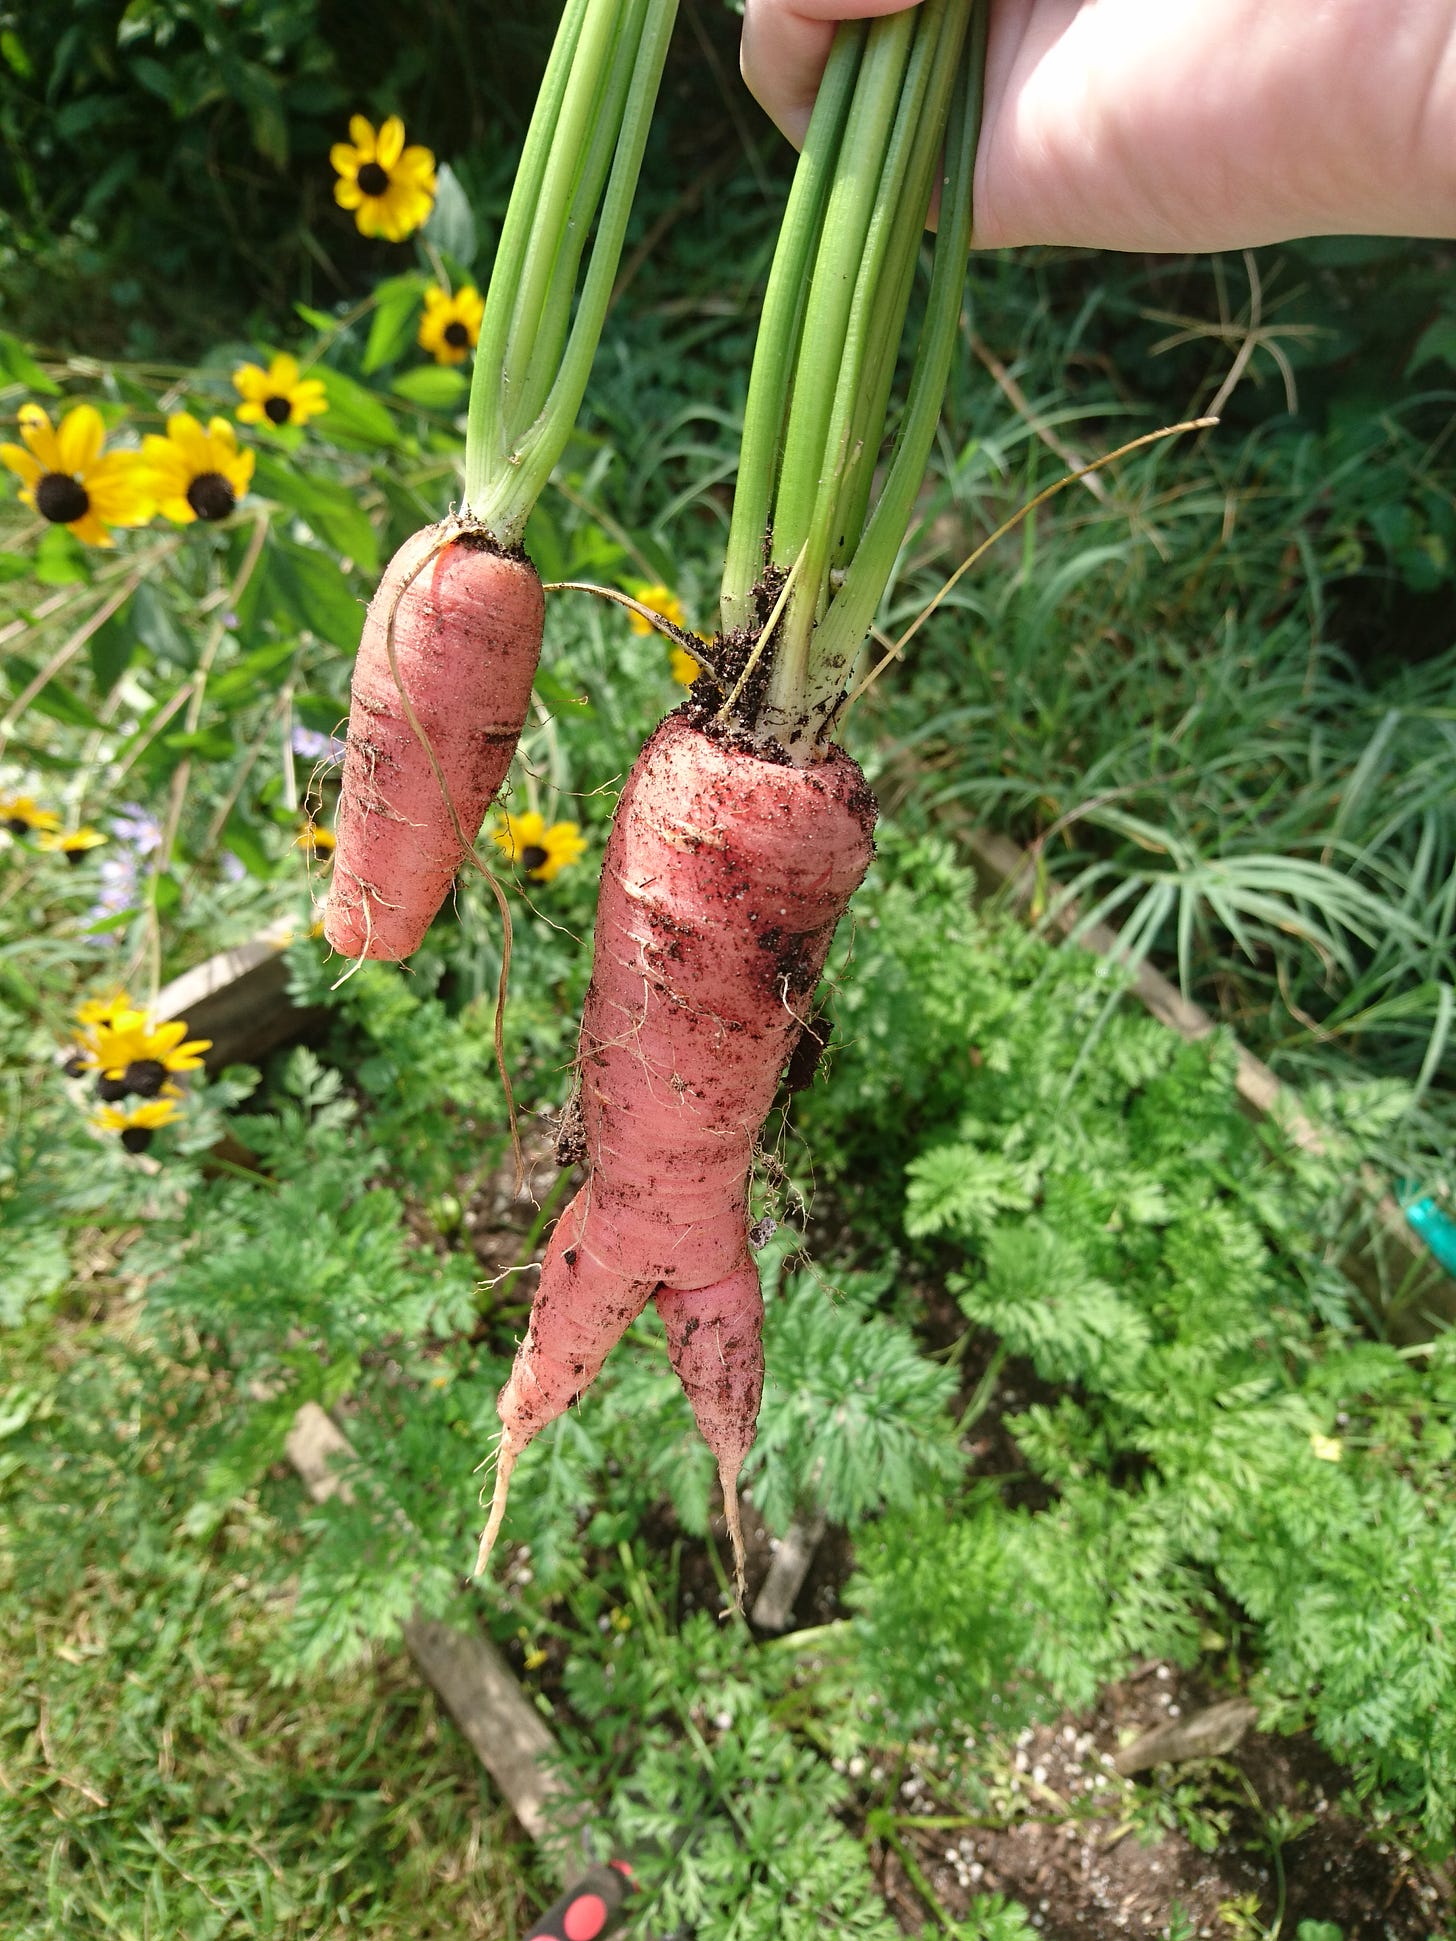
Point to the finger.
(785, 45)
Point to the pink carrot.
(453, 635)
(724, 878)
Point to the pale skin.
(1180, 124)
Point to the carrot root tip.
(728, 1478)
(505, 1463)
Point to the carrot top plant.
(450, 648)
(740, 836)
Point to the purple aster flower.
(136, 827)
(316, 747)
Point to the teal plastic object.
(1436, 1227)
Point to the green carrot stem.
(485, 437)
(554, 320)
(852, 433)
(892, 298)
(850, 616)
(583, 149)
(852, 199)
(504, 502)
(780, 326)
(579, 113)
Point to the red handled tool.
(590, 1907)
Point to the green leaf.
(397, 303)
(112, 648)
(1435, 345)
(241, 838)
(60, 560)
(356, 416)
(434, 386)
(247, 678)
(17, 366)
(54, 701)
(451, 226)
(157, 628)
(118, 920)
(319, 593)
(332, 512)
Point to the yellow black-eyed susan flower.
(101, 1010)
(197, 474)
(450, 327)
(316, 840)
(390, 188)
(73, 844)
(23, 816)
(685, 670)
(133, 1059)
(278, 396)
(69, 477)
(539, 852)
(661, 600)
(137, 1124)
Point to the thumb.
(784, 48)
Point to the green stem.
(838, 637)
(602, 31)
(780, 326)
(503, 501)
(485, 435)
(873, 327)
(852, 201)
(555, 318)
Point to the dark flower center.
(372, 179)
(112, 1090)
(17, 825)
(532, 857)
(145, 1077)
(136, 1138)
(74, 856)
(278, 410)
(74, 1066)
(457, 336)
(210, 496)
(61, 498)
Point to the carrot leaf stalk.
(900, 104)
(580, 164)
(452, 640)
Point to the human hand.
(1180, 124)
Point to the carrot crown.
(579, 166)
(808, 559)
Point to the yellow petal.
(35, 429)
(23, 463)
(390, 144)
(250, 381)
(348, 195)
(191, 441)
(250, 413)
(90, 531)
(283, 373)
(361, 134)
(346, 159)
(80, 438)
